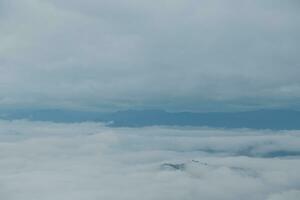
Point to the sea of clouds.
(89, 161)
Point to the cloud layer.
(179, 55)
(43, 160)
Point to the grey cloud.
(168, 54)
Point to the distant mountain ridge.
(260, 119)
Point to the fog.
(43, 160)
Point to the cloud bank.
(43, 160)
(176, 55)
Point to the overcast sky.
(199, 55)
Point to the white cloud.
(43, 160)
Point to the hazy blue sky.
(170, 54)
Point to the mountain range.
(259, 119)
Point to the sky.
(194, 55)
(44, 160)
